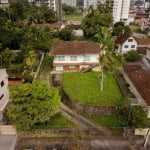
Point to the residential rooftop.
(140, 79)
(75, 48)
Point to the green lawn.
(76, 17)
(85, 88)
(57, 121)
(112, 121)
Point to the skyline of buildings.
(72, 3)
(119, 8)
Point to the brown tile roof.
(123, 37)
(143, 41)
(142, 50)
(75, 48)
(74, 27)
(56, 26)
(140, 78)
(10, 83)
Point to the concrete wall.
(88, 109)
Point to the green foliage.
(15, 70)
(68, 9)
(94, 20)
(8, 57)
(56, 121)
(120, 27)
(85, 88)
(30, 106)
(139, 117)
(112, 121)
(65, 34)
(132, 56)
(16, 23)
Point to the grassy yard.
(57, 121)
(112, 121)
(85, 88)
(76, 17)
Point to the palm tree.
(31, 60)
(104, 39)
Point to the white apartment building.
(119, 8)
(4, 94)
(146, 4)
(93, 3)
(72, 3)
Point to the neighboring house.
(4, 94)
(139, 82)
(54, 26)
(125, 43)
(77, 31)
(143, 42)
(144, 50)
(74, 56)
(141, 21)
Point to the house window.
(130, 40)
(1, 96)
(59, 68)
(73, 58)
(72, 67)
(126, 46)
(86, 58)
(2, 83)
(132, 46)
(61, 58)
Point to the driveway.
(7, 142)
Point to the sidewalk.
(7, 142)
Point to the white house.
(125, 43)
(74, 56)
(4, 94)
(76, 28)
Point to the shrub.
(132, 56)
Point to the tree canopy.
(94, 20)
(120, 27)
(32, 104)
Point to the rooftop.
(75, 48)
(123, 37)
(140, 79)
(142, 50)
(143, 41)
(56, 26)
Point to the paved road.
(7, 142)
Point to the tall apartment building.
(146, 4)
(119, 8)
(93, 3)
(72, 3)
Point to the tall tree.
(104, 39)
(32, 104)
(94, 20)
